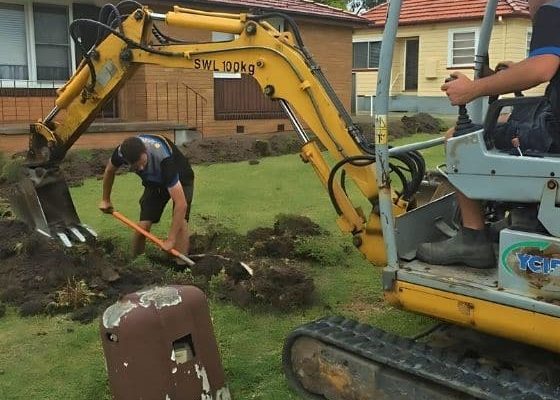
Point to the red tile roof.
(301, 7)
(428, 11)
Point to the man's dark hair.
(132, 148)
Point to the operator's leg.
(470, 246)
(471, 212)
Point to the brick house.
(37, 56)
(435, 38)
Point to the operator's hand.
(461, 90)
(105, 206)
(168, 244)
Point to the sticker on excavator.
(381, 131)
(530, 264)
(235, 67)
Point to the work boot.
(469, 246)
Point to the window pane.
(462, 60)
(13, 43)
(464, 53)
(464, 44)
(222, 37)
(374, 53)
(463, 36)
(51, 42)
(360, 55)
(364, 104)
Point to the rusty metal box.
(159, 344)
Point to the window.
(366, 54)
(34, 43)
(13, 42)
(52, 45)
(364, 104)
(529, 37)
(462, 47)
(224, 37)
(277, 23)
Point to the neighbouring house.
(435, 38)
(37, 56)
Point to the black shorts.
(154, 200)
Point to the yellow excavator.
(513, 307)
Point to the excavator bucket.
(42, 200)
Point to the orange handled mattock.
(151, 237)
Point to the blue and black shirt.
(546, 40)
(166, 164)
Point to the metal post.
(476, 107)
(381, 133)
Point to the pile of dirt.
(240, 148)
(79, 165)
(407, 126)
(38, 275)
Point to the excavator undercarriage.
(341, 359)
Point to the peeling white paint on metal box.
(112, 315)
(201, 373)
(223, 394)
(160, 297)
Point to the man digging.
(166, 174)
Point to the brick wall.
(151, 94)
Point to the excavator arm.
(278, 61)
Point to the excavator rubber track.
(337, 358)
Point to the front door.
(411, 65)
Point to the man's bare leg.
(139, 240)
(183, 240)
(471, 212)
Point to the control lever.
(464, 123)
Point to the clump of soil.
(281, 240)
(34, 271)
(240, 148)
(77, 166)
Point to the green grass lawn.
(54, 358)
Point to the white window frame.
(368, 40)
(529, 37)
(226, 75)
(452, 32)
(371, 101)
(32, 82)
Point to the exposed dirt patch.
(39, 276)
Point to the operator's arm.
(179, 211)
(540, 67)
(108, 178)
(518, 77)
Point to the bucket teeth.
(78, 234)
(64, 239)
(43, 202)
(89, 230)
